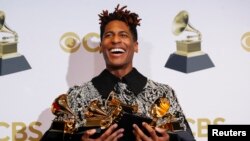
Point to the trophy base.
(189, 64)
(13, 64)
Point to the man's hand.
(109, 135)
(140, 136)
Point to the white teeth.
(115, 50)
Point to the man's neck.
(119, 72)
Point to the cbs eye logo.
(245, 41)
(70, 42)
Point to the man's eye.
(107, 35)
(124, 35)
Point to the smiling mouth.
(117, 50)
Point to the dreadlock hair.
(131, 19)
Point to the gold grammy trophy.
(101, 117)
(188, 57)
(10, 60)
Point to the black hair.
(131, 19)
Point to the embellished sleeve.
(180, 135)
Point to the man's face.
(118, 46)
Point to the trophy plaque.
(10, 60)
(188, 57)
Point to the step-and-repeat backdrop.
(200, 48)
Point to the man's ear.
(100, 45)
(136, 48)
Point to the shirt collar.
(106, 81)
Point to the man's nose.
(116, 39)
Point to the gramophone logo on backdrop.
(188, 57)
(10, 60)
(70, 42)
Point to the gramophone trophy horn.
(60, 107)
(10, 60)
(5, 28)
(163, 118)
(181, 24)
(188, 57)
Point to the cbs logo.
(20, 131)
(245, 41)
(200, 125)
(70, 42)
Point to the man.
(124, 85)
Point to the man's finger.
(139, 132)
(116, 135)
(137, 137)
(150, 130)
(88, 133)
(163, 132)
(109, 131)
